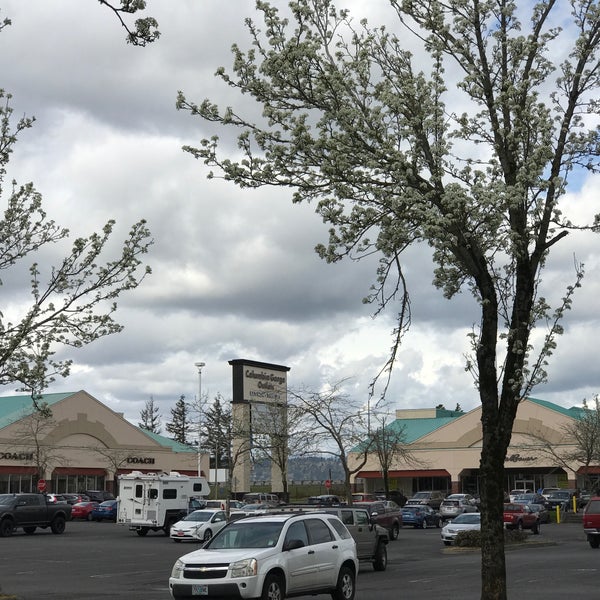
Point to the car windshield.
(467, 518)
(240, 534)
(410, 509)
(421, 496)
(198, 515)
(560, 495)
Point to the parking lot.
(100, 561)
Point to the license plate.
(199, 590)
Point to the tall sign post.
(258, 390)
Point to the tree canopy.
(72, 303)
(466, 143)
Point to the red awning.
(79, 471)
(407, 473)
(18, 470)
(588, 470)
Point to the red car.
(520, 516)
(83, 510)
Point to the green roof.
(168, 442)
(14, 408)
(575, 412)
(417, 428)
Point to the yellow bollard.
(574, 504)
(558, 514)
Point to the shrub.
(466, 539)
(472, 539)
(514, 536)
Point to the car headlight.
(244, 568)
(177, 570)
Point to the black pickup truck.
(31, 511)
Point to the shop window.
(15, 484)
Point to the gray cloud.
(235, 274)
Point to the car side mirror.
(293, 545)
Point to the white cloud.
(234, 271)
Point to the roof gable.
(168, 442)
(14, 408)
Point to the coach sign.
(137, 460)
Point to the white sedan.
(464, 522)
(199, 525)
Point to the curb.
(507, 547)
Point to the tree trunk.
(493, 567)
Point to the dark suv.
(98, 495)
(432, 498)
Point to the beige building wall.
(86, 434)
(456, 446)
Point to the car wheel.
(380, 560)
(207, 535)
(168, 525)
(58, 525)
(394, 531)
(519, 526)
(89, 517)
(142, 531)
(438, 523)
(594, 541)
(424, 524)
(273, 588)
(345, 587)
(6, 528)
(536, 529)
(447, 543)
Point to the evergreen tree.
(150, 417)
(216, 434)
(180, 425)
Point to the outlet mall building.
(84, 445)
(445, 448)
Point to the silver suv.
(456, 504)
(271, 556)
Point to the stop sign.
(41, 485)
(327, 483)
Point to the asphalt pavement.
(102, 561)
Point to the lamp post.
(199, 366)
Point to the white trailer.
(154, 501)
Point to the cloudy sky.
(234, 272)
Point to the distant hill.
(305, 468)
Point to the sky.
(235, 274)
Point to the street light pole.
(199, 366)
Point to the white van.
(260, 498)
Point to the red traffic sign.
(327, 483)
(41, 485)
